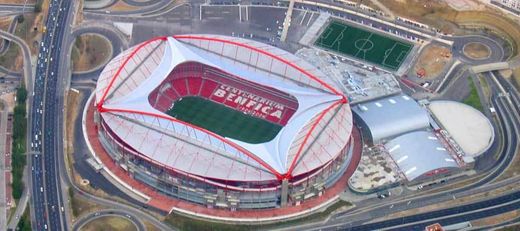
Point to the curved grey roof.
(392, 116)
(420, 152)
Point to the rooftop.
(319, 106)
(470, 129)
(419, 153)
(392, 116)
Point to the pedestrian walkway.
(312, 32)
(5, 172)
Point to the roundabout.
(476, 51)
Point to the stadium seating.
(195, 79)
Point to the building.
(421, 156)
(223, 122)
(390, 116)
(509, 5)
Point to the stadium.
(223, 122)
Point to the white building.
(510, 5)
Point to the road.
(47, 197)
(4, 198)
(5, 44)
(503, 159)
(146, 8)
(16, 8)
(105, 213)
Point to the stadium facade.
(223, 121)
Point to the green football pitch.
(364, 45)
(223, 120)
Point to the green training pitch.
(364, 45)
(223, 120)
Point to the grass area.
(439, 15)
(495, 22)
(90, 51)
(109, 223)
(25, 221)
(473, 98)
(223, 120)
(188, 224)
(19, 143)
(510, 228)
(11, 59)
(364, 45)
(81, 206)
(150, 227)
(476, 50)
(516, 78)
(495, 220)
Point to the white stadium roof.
(321, 114)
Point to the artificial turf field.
(364, 45)
(223, 120)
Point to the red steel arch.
(279, 176)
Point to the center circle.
(364, 44)
(476, 51)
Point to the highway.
(504, 158)
(454, 214)
(47, 199)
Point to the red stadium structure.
(193, 163)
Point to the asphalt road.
(47, 199)
(106, 213)
(5, 44)
(16, 8)
(195, 27)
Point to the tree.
(21, 95)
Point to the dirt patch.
(9, 100)
(5, 21)
(438, 14)
(476, 50)
(72, 111)
(432, 61)
(516, 78)
(461, 5)
(494, 220)
(499, 23)
(32, 27)
(12, 58)
(122, 6)
(90, 51)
